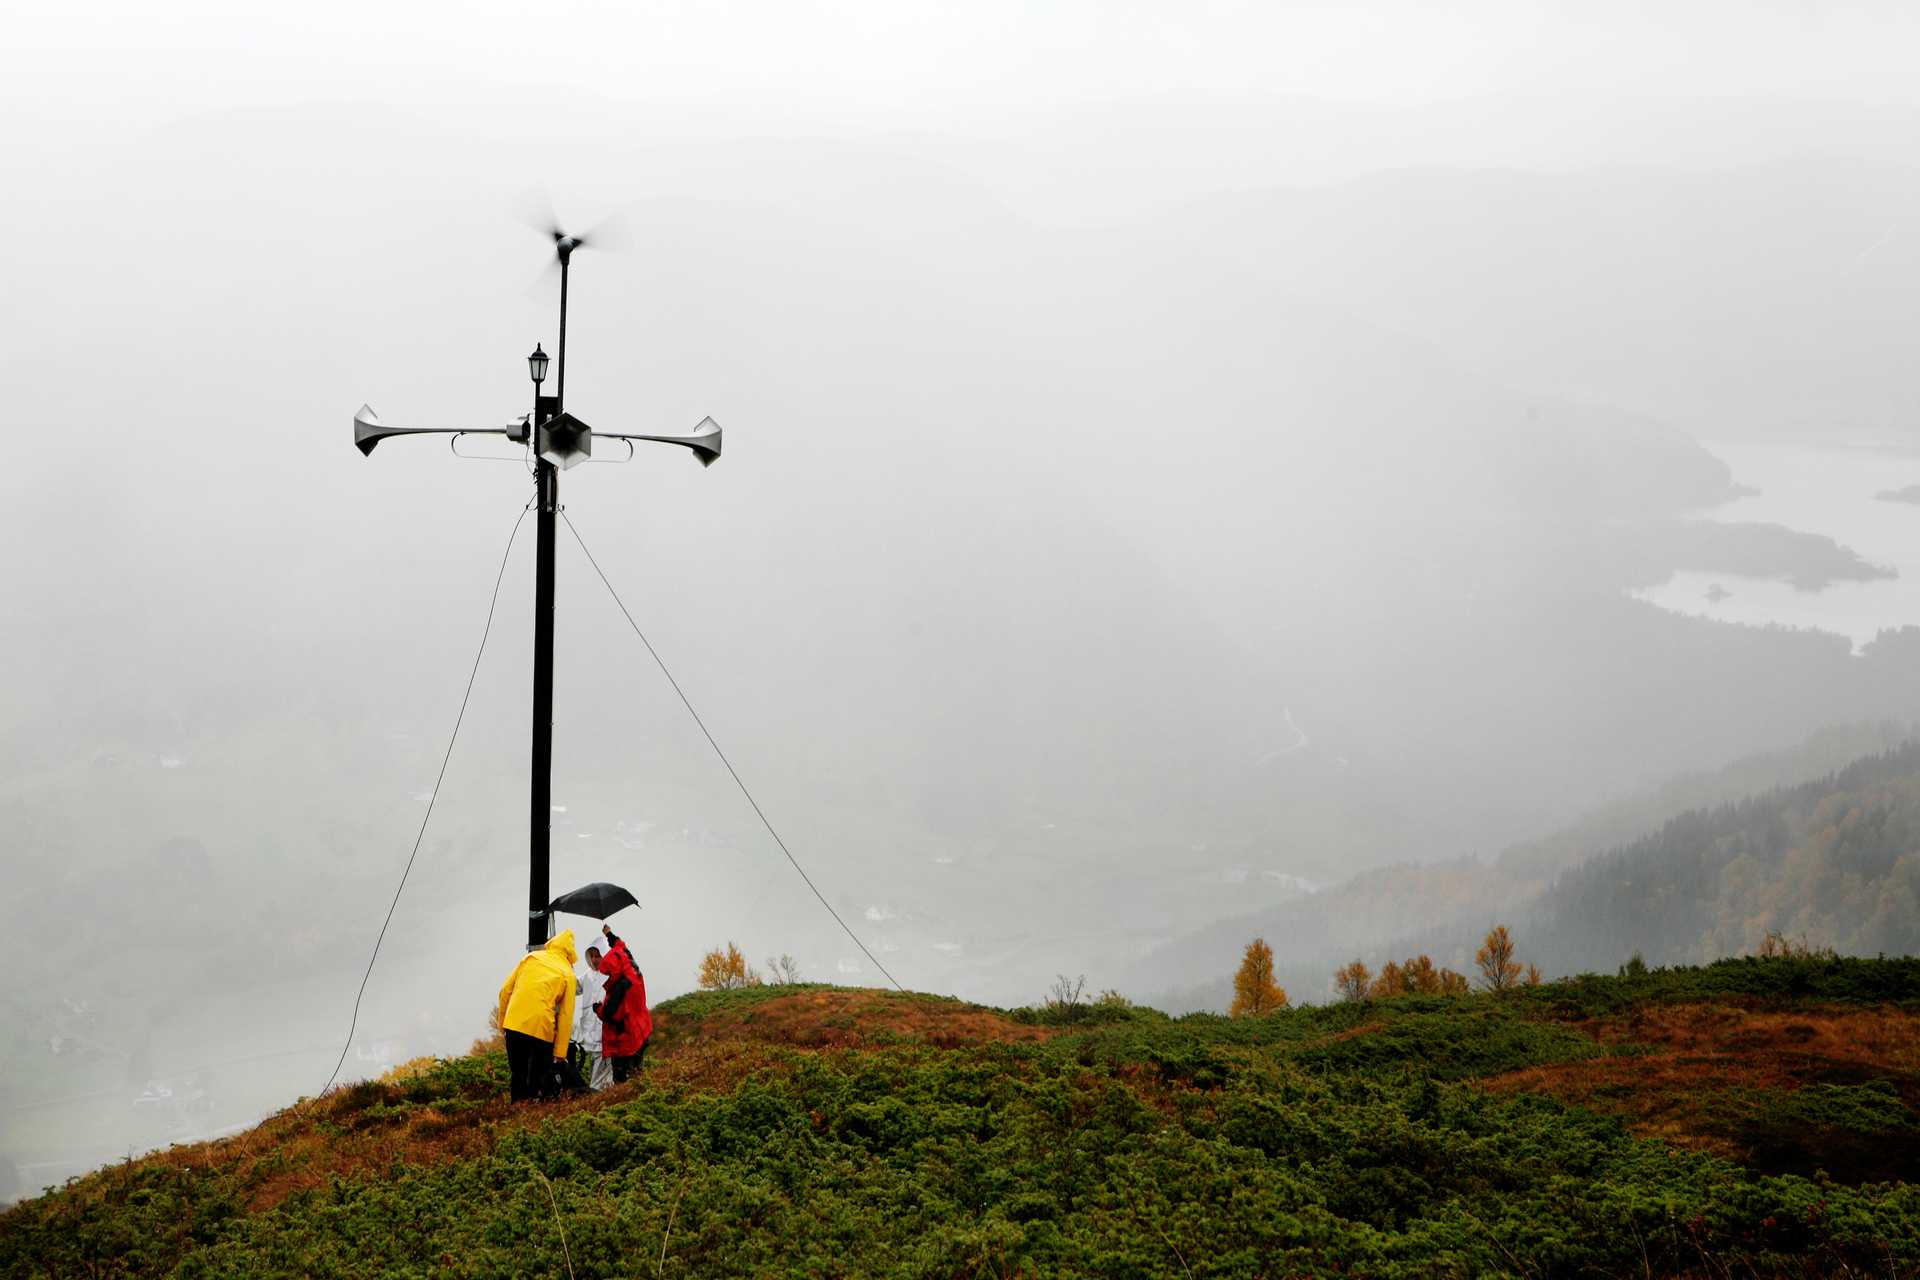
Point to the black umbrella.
(598, 900)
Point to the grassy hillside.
(1752, 1117)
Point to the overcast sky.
(913, 61)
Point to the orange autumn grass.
(346, 1133)
(1698, 1052)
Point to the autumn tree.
(1422, 978)
(1353, 981)
(726, 970)
(1414, 976)
(1778, 946)
(1499, 971)
(1067, 994)
(1255, 993)
(783, 968)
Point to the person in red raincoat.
(625, 1021)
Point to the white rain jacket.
(586, 1023)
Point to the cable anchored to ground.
(732, 772)
(452, 738)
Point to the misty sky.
(953, 63)
(1178, 457)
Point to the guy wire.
(758, 812)
(452, 738)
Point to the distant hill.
(1757, 1113)
(1831, 863)
(1443, 908)
(1834, 862)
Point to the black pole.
(540, 802)
(540, 813)
(560, 391)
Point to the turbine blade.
(535, 209)
(609, 235)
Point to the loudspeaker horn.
(369, 431)
(565, 441)
(704, 440)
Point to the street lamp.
(544, 407)
(558, 440)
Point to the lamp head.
(537, 365)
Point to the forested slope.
(1617, 851)
(1833, 863)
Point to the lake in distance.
(1815, 489)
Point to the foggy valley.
(1149, 520)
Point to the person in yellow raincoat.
(536, 1013)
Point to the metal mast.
(558, 440)
(546, 482)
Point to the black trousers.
(630, 1065)
(527, 1059)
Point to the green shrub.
(1346, 1140)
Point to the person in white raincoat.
(586, 1023)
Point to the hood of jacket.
(561, 944)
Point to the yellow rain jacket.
(537, 999)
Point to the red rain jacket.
(625, 1020)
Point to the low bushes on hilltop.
(1354, 1139)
